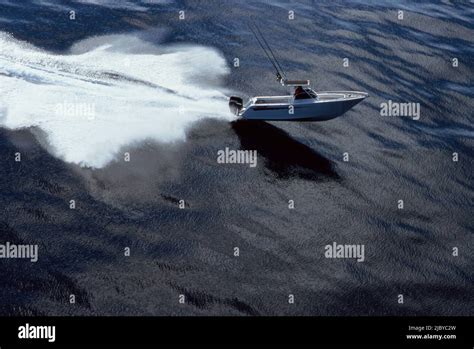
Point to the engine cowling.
(235, 105)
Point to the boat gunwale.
(356, 95)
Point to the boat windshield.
(304, 93)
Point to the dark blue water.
(190, 251)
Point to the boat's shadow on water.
(284, 156)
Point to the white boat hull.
(327, 106)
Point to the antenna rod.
(274, 63)
(270, 49)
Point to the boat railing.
(271, 99)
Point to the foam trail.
(108, 93)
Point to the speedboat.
(304, 104)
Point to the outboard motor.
(235, 105)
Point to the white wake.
(107, 93)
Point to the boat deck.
(322, 97)
(273, 100)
